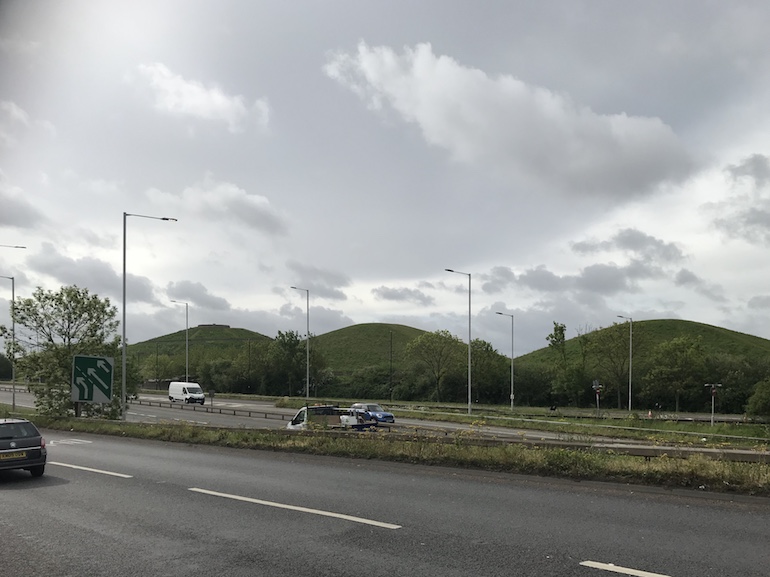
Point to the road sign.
(92, 379)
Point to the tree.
(759, 402)
(5, 368)
(66, 323)
(678, 369)
(491, 373)
(569, 379)
(285, 364)
(436, 353)
(609, 347)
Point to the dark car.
(21, 446)
(376, 411)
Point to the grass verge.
(696, 472)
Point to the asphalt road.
(126, 507)
(270, 416)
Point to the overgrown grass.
(657, 431)
(693, 473)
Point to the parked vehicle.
(380, 414)
(187, 392)
(329, 416)
(22, 446)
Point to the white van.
(187, 392)
(331, 417)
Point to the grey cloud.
(403, 294)
(759, 302)
(91, 273)
(514, 126)
(603, 279)
(640, 270)
(544, 280)
(196, 294)
(756, 167)
(633, 241)
(320, 283)
(746, 215)
(751, 223)
(16, 210)
(497, 280)
(688, 279)
(224, 202)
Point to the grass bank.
(697, 473)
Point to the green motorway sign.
(92, 379)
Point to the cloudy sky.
(579, 159)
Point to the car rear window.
(17, 430)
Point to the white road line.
(121, 475)
(295, 508)
(619, 569)
(55, 442)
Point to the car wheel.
(37, 471)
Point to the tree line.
(670, 375)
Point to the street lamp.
(307, 342)
(509, 315)
(13, 341)
(630, 354)
(123, 338)
(186, 340)
(713, 396)
(469, 332)
(13, 330)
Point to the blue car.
(376, 411)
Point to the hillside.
(365, 345)
(213, 338)
(369, 345)
(648, 334)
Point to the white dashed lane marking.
(621, 570)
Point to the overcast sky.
(579, 159)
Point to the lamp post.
(469, 332)
(13, 330)
(307, 341)
(123, 323)
(630, 354)
(13, 341)
(713, 397)
(509, 315)
(186, 340)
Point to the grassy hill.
(215, 339)
(365, 345)
(648, 334)
(369, 345)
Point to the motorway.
(157, 409)
(116, 507)
(126, 507)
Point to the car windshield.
(377, 408)
(195, 390)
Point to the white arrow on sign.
(92, 374)
(103, 366)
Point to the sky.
(575, 162)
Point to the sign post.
(597, 387)
(92, 379)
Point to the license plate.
(15, 455)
